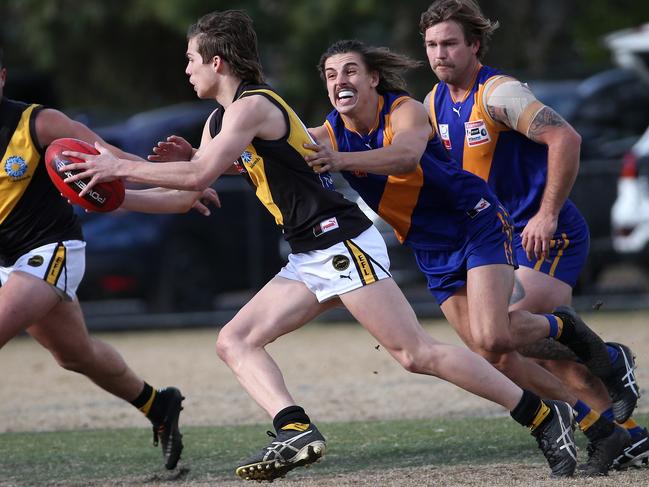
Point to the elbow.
(410, 163)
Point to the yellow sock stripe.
(541, 414)
(559, 254)
(56, 265)
(588, 421)
(147, 406)
(629, 424)
(296, 426)
(559, 327)
(363, 264)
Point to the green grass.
(93, 456)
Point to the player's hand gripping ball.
(102, 197)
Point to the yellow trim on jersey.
(363, 265)
(478, 159)
(22, 147)
(297, 137)
(332, 137)
(431, 107)
(56, 265)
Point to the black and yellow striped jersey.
(310, 212)
(32, 212)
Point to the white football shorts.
(341, 268)
(59, 264)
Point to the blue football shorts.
(486, 244)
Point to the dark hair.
(467, 13)
(230, 35)
(389, 65)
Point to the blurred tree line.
(124, 56)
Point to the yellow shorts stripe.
(362, 262)
(56, 265)
(559, 254)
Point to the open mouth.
(345, 94)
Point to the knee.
(225, 345)
(72, 361)
(492, 345)
(423, 359)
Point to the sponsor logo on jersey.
(340, 262)
(325, 226)
(444, 135)
(476, 133)
(15, 167)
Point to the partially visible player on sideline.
(460, 235)
(493, 126)
(337, 255)
(42, 256)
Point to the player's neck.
(226, 90)
(459, 89)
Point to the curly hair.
(230, 35)
(467, 13)
(389, 65)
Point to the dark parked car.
(610, 110)
(178, 262)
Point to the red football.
(102, 197)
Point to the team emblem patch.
(340, 262)
(246, 157)
(35, 260)
(476, 133)
(16, 167)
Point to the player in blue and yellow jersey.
(42, 260)
(382, 141)
(337, 256)
(493, 126)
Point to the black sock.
(147, 402)
(291, 414)
(599, 429)
(531, 411)
(568, 330)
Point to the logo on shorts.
(35, 260)
(340, 262)
(16, 167)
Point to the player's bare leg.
(281, 306)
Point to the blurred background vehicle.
(610, 110)
(630, 210)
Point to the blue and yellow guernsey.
(32, 212)
(514, 166)
(430, 208)
(305, 205)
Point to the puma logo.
(348, 276)
(456, 110)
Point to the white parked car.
(630, 212)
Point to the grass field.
(384, 426)
(420, 448)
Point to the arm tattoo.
(545, 118)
